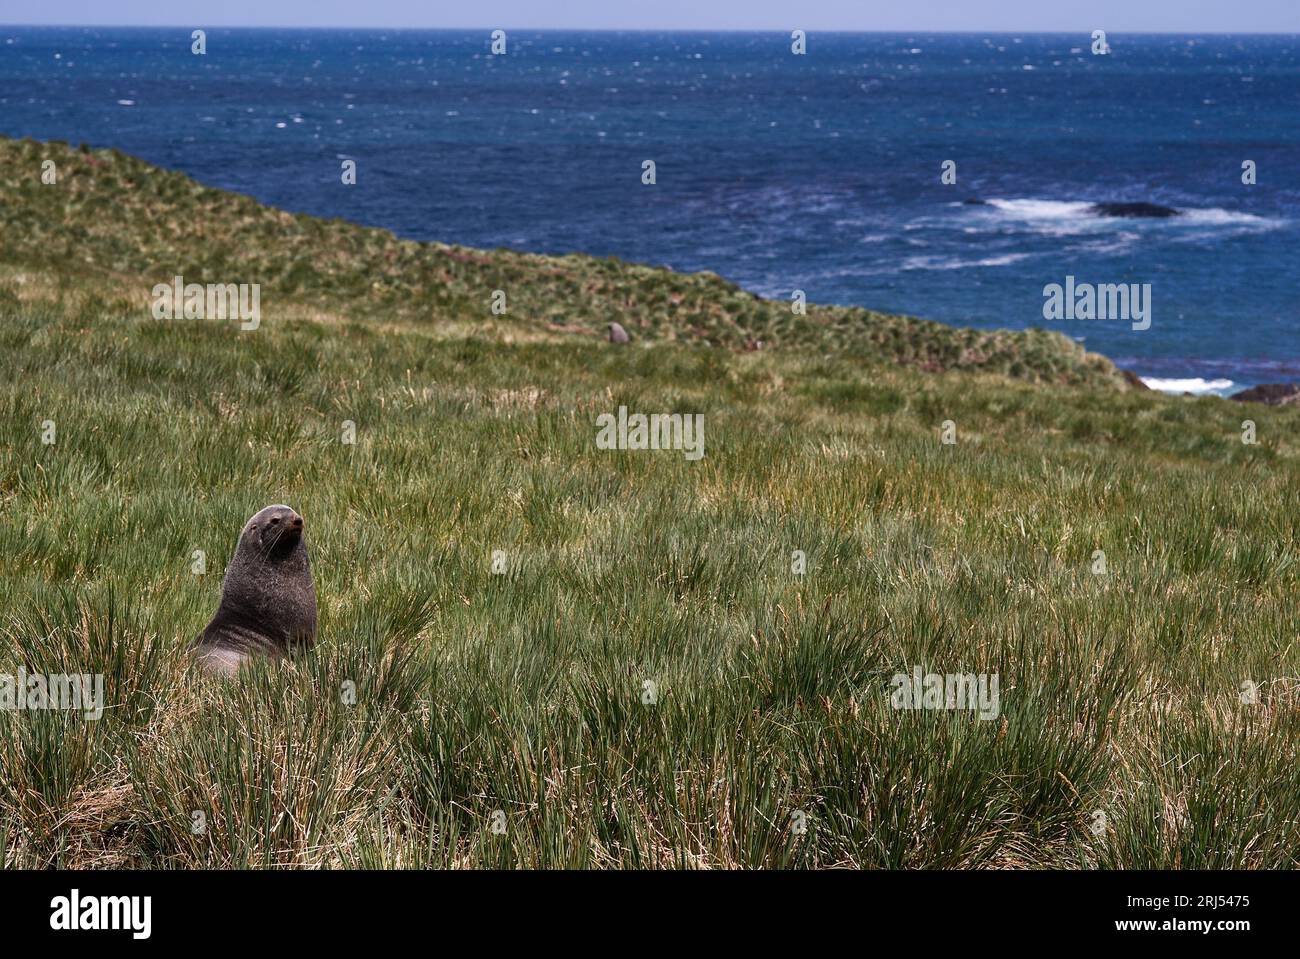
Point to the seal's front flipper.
(220, 661)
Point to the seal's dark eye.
(274, 520)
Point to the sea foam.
(1194, 384)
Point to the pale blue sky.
(1172, 16)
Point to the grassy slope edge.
(116, 216)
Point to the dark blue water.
(818, 172)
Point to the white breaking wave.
(1065, 211)
(956, 263)
(1191, 385)
(1215, 215)
(1042, 209)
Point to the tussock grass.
(523, 692)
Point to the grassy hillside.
(523, 692)
(116, 217)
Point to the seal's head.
(273, 532)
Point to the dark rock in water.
(1274, 394)
(617, 334)
(1133, 380)
(1134, 210)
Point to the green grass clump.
(444, 700)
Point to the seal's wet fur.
(268, 601)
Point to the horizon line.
(568, 29)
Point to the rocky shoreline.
(1273, 394)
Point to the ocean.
(819, 172)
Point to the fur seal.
(268, 601)
(617, 334)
